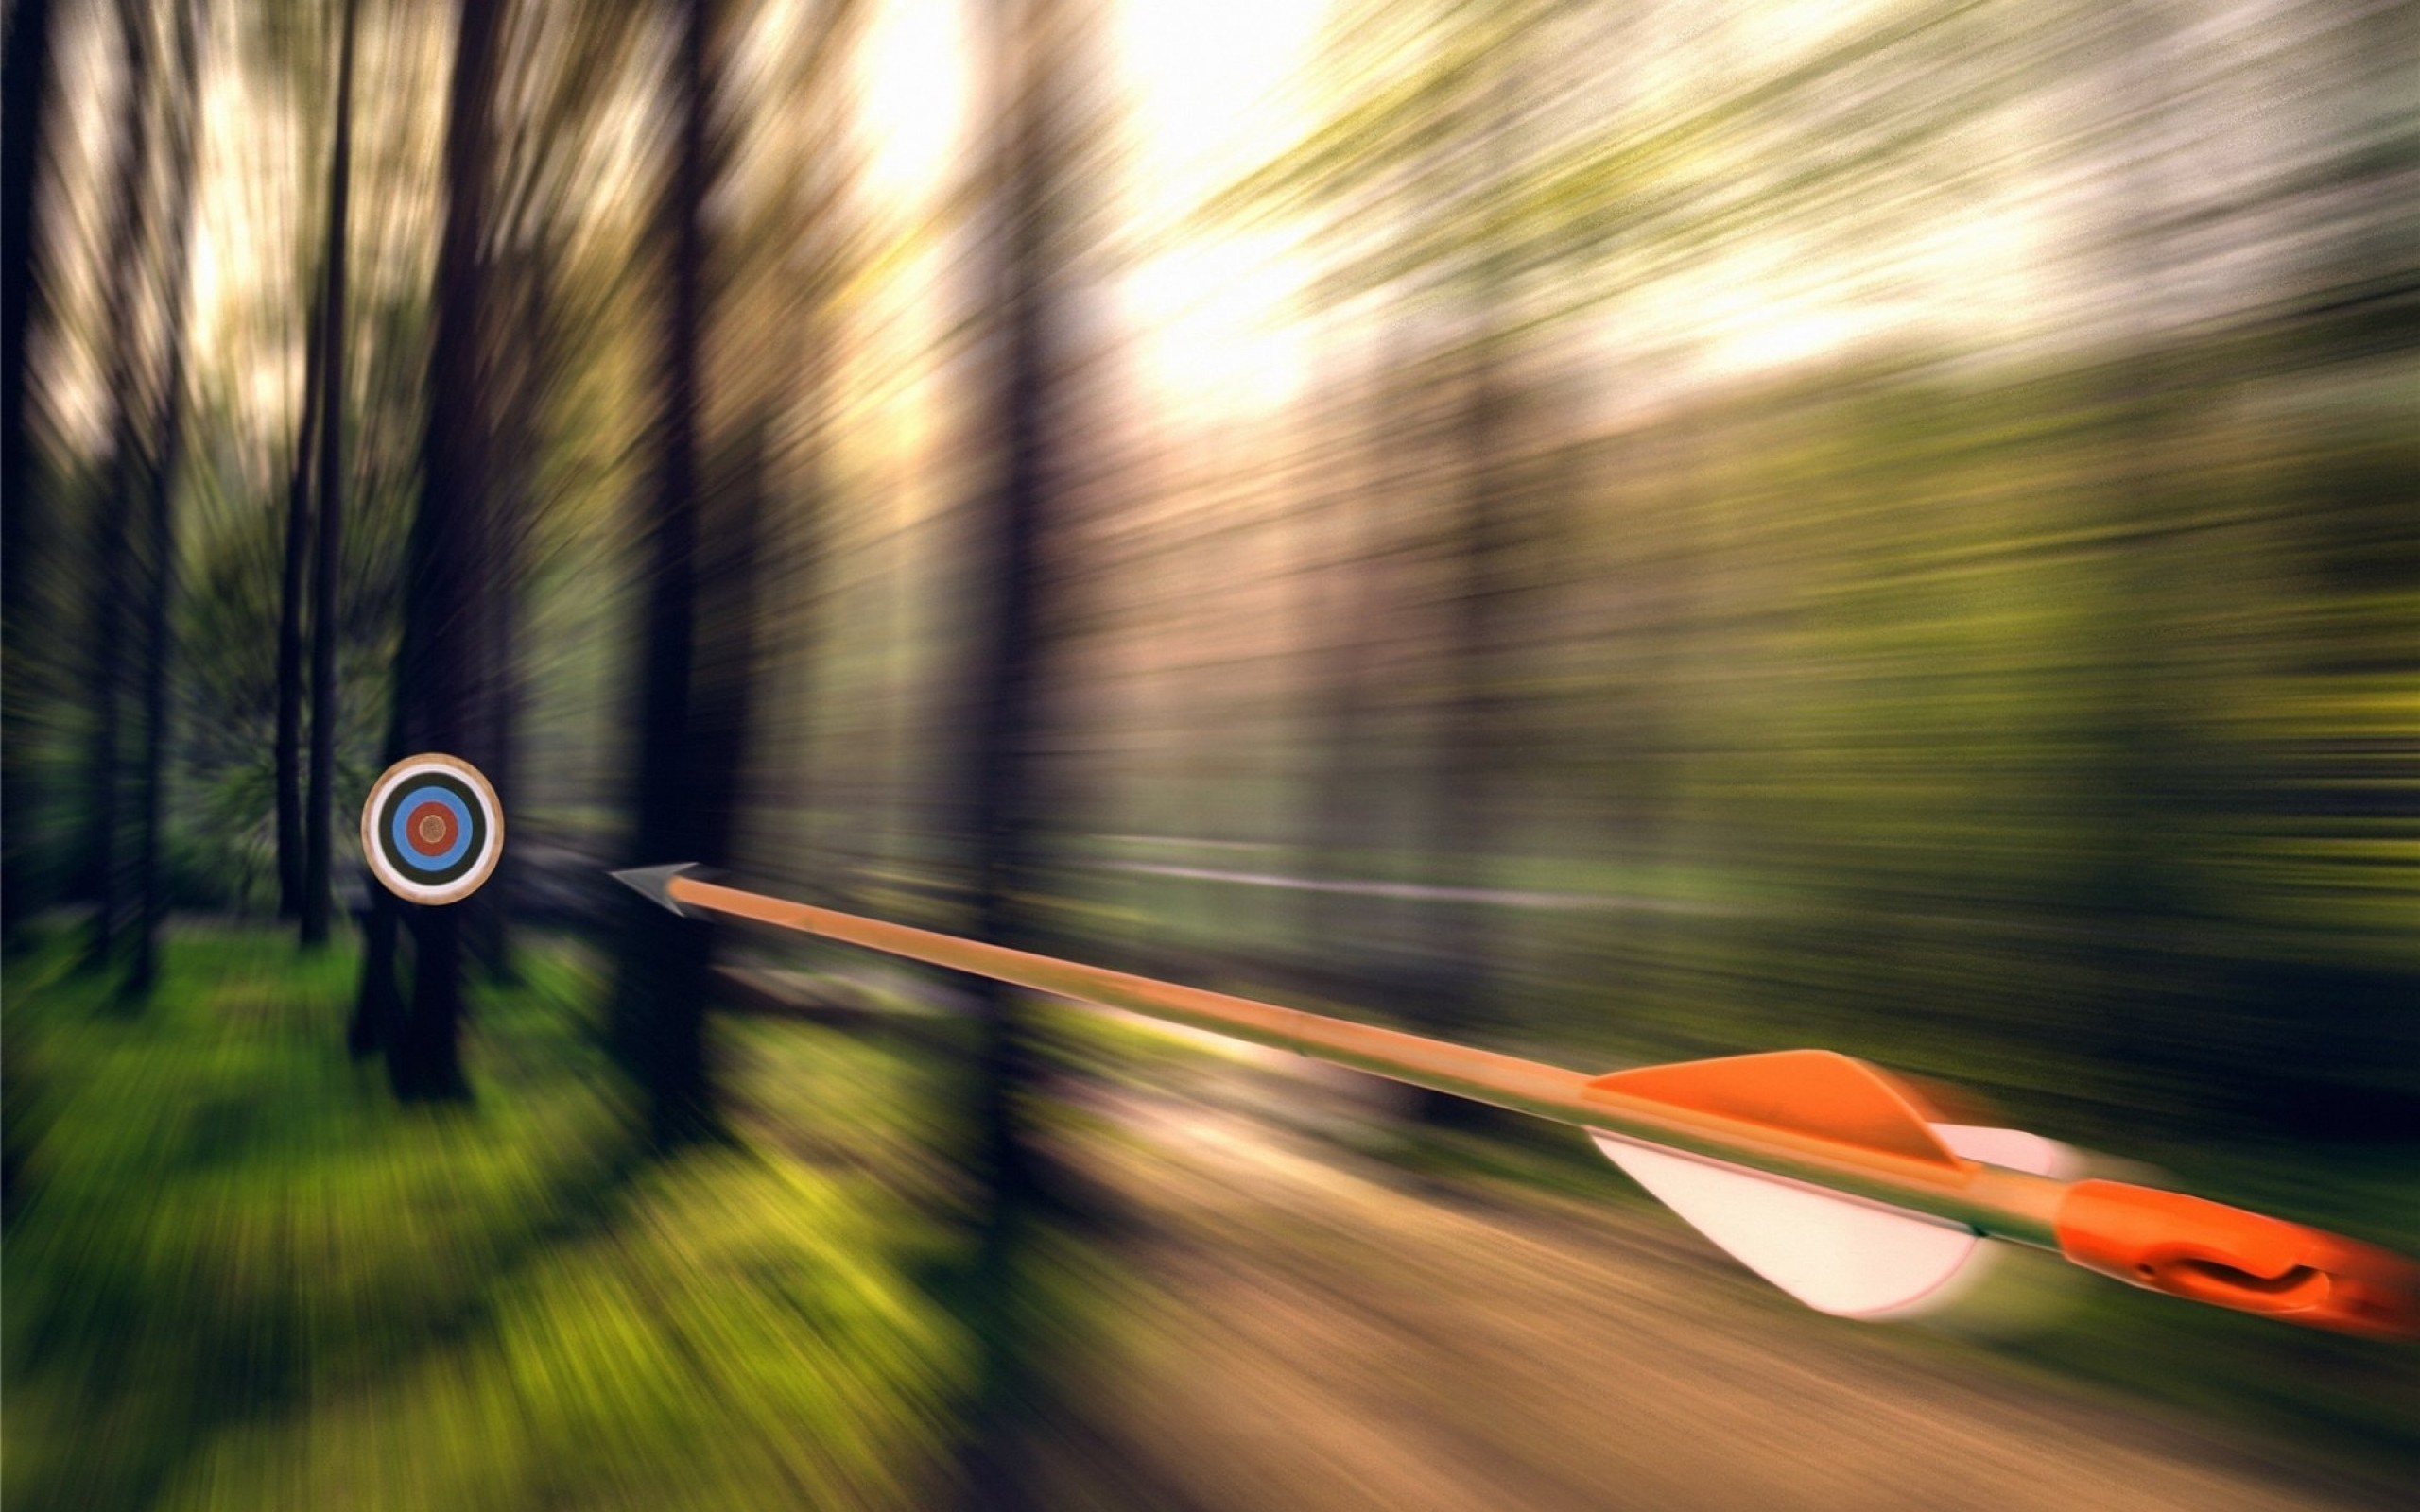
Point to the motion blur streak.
(1610, 532)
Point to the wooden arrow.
(1860, 1192)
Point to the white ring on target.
(491, 812)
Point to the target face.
(432, 828)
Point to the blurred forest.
(1609, 531)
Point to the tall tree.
(1011, 587)
(522, 381)
(424, 1054)
(659, 1028)
(25, 118)
(160, 533)
(327, 627)
(377, 1004)
(1477, 744)
(1440, 143)
(1353, 575)
(565, 73)
(289, 756)
(568, 69)
(106, 626)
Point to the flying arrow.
(1860, 1192)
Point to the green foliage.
(241, 1277)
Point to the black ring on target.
(431, 828)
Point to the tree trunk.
(1475, 743)
(25, 118)
(290, 621)
(162, 532)
(659, 1029)
(424, 1056)
(1010, 565)
(500, 692)
(1353, 581)
(1473, 737)
(377, 1003)
(1012, 586)
(327, 627)
(108, 542)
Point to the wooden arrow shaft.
(2162, 1240)
(2007, 1204)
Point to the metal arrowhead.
(656, 883)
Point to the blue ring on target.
(412, 801)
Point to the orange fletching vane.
(1813, 1092)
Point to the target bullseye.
(432, 828)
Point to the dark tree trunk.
(659, 1029)
(377, 1002)
(377, 998)
(424, 1056)
(500, 692)
(723, 687)
(289, 622)
(108, 543)
(25, 87)
(1009, 564)
(1475, 741)
(161, 534)
(1006, 669)
(1353, 582)
(2137, 896)
(327, 627)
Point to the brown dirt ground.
(1314, 1332)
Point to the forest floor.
(1320, 1334)
(1307, 1310)
(239, 1277)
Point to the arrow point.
(655, 883)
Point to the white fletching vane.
(1838, 1254)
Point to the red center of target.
(430, 828)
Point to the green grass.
(242, 1277)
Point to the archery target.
(432, 828)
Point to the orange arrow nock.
(2209, 1252)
